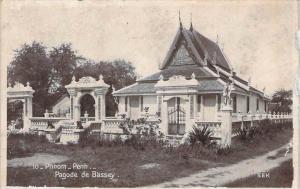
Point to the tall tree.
(282, 101)
(117, 74)
(64, 61)
(48, 73)
(31, 64)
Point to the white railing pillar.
(86, 116)
(226, 126)
(46, 114)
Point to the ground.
(281, 176)
(219, 176)
(127, 166)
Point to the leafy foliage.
(263, 128)
(141, 133)
(201, 135)
(282, 101)
(31, 64)
(14, 110)
(20, 145)
(49, 71)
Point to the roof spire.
(180, 24)
(217, 39)
(191, 27)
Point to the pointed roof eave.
(197, 39)
(183, 32)
(122, 89)
(227, 60)
(171, 49)
(199, 42)
(193, 48)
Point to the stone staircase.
(66, 131)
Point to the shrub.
(201, 135)
(247, 133)
(224, 151)
(264, 127)
(20, 145)
(142, 134)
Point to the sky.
(257, 37)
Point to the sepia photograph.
(153, 94)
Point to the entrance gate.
(176, 119)
(25, 94)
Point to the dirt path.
(221, 175)
(36, 159)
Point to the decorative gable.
(182, 57)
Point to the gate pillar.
(226, 126)
(25, 94)
(88, 85)
(164, 116)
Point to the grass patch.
(281, 176)
(124, 160)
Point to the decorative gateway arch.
(24, 94)
(87, 85)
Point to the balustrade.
(112, 125)
(238, 117)
(214, 126)
(42, 122)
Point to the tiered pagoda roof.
(193, 53)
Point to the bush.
(248, 133)
(142, 134)
(201, 135)
(20, 145)
(264, 127)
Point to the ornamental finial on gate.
(193, 75)
(100, 77)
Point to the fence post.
(226, 127)
(251, 124)
(249, 115)
(240, 118)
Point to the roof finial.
(249, 81)
(180, 24)
(191, 27)
(161, 77)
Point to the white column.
(216, 108)
(164, 116)
(97, 113)
(128, 107)
(187, 108)
(24, 109)
(29, 107)
(76, 106)
(202, 108)
(196, 115)
(26, 123)
(226, 126)
(103, 110)
(159, 104)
